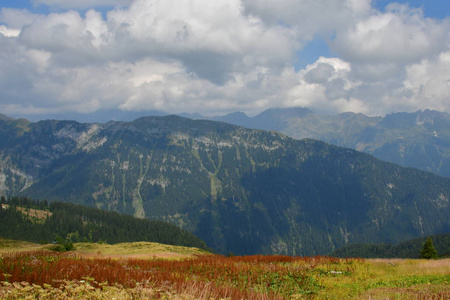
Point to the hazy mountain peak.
(284, 112)
(420, 139)
(237, 114)
(430, 118)
(5, 118)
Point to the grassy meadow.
(7, 245)
(155, 271)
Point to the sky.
(72, 58)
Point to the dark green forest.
(406, 249)
(76, 223)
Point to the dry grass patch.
(7, 245)
(144, 250)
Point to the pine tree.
(428, 251)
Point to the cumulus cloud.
(400, 35)
(330, 86)
(16, 19)
(309, 17)
(326, 86)
(428, 83)
(211, 38)
(321, 73)
(396, 62)
(162, 54)
(71, 40)
(221, 56)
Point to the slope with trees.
(71, 223)
(240, 190)
(420, 139)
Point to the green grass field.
(391, 279)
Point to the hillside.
(240, 190)
(420, 139)
(34, 221)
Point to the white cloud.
(329, 86)
(428, 83)
(401, 35)
(16, 18)
(309, 17)
(221, 56)
(394, 65)
(326, 87)
(9, 32)
(71, 40)
(211, 38)
(321, 73)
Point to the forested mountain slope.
(25, 219)
(420, 139)
(240, 190)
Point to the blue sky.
(431, 8)
(69, 58)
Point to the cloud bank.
(216, 57)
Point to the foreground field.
(45, 275)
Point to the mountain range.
(241, 190)
(419, 140)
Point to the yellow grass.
(144, 250)
(137, 250)
(7, 245)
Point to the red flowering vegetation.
(209, 276)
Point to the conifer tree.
(428, 251)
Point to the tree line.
(426, 247)
(76, 223)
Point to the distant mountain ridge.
(240, 190)
(419, 140)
